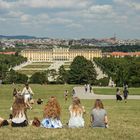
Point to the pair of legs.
(27, 100)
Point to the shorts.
(27, 97)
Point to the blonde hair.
(76, 106)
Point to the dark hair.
(4, 123)
(39, 101)
(98, 103)
(36, 122)
(117, 89)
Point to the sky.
(71, 18)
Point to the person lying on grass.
(98, 115)
(52, 112)
(19, 108)
(76, 114)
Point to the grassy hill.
(123, 117)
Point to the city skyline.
(71, 18)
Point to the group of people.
(125, 94)
(66, 94)
(52, 113)
(88, 88)
(27, 94)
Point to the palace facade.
(59, 54)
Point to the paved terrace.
(80, 92)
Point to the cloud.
(133, 4)
(101, 9)
(54, 3)
(25, 18)
(4, 5)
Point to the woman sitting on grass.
(76, 114)
(19, 113)
(99, 115)
(52, 114)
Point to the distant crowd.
(52, 112)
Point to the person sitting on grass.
(52, 112)
(4, 122)
(76, 114)
(99, 115)
(19, 117)
(39, 101)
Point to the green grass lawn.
(123, 117)
(29, 72)
(41, 63)
(37, 66)
(112, 91)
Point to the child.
(99, 115)
(76, 114)
(19, 113)
(52, 114)
(66, 95)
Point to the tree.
(15, 77)
(82, 71)
(62, 75)
(39, 78)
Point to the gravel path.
(80, 92)
(100, 74)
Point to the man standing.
(125, 94)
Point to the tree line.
(7, 75)
(122, 70)
(121, 48)
(82, 71)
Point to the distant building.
(59, 54)
(8, 53)
(121, 54)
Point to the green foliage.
(62, 75)
(39, 78)
(122, 70)
(82, 71)
(103, 81)
(15, 77)
(8, 61)
(121, 48)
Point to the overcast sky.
(71, 18)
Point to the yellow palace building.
(59, 54)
